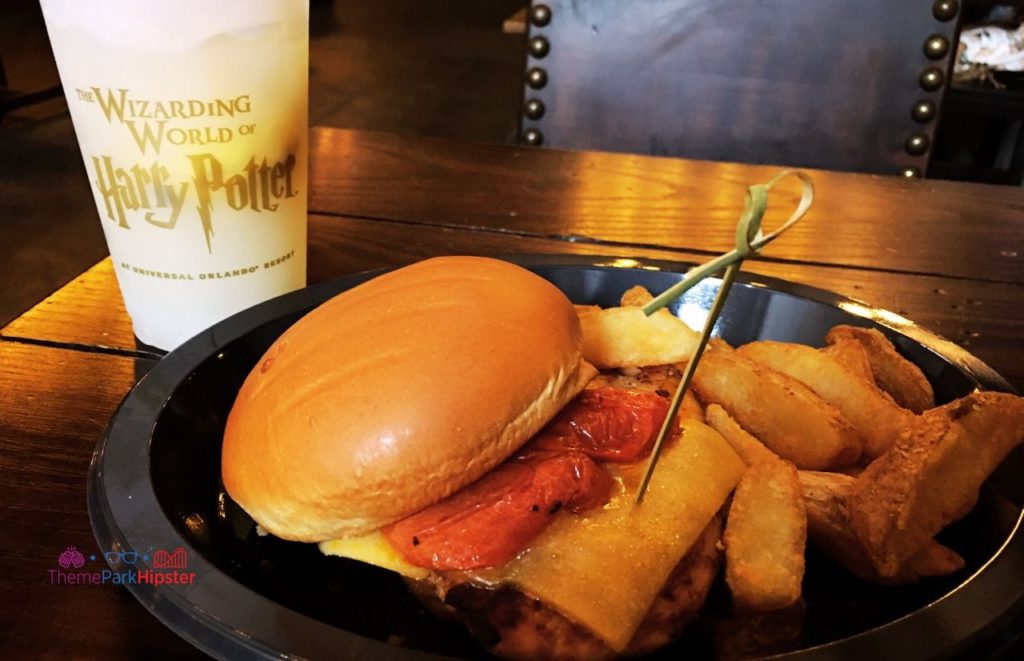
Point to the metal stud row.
(923, 111)
(931, 79)
(536, 78)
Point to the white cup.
(191, 116)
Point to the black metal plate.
(154, 483)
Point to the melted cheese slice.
(373, 548)
(604, 568)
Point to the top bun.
(397, 393)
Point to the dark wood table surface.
(949, 256)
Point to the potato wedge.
(932, 475)
(893, 373)
(636, 296)
(783, 413)
(750, 450)
(765, 536)
(626, 337)
(826, 498)
(853, 356)
(878, 419)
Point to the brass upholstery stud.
(533, 108)
(911, 172)
(539, 47)
(945, 10)
(923, 111)
(533, 137)
(917, 144)
(536, 78)
(931, 79)
(936, 47)
(540, 15)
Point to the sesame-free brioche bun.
(395, 394)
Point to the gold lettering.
(107, 189)
(118, 105)
(237, 191)
(208, 176)
(142, 180)
(220, 107)
(177, 199)
(138, 109)
(148, 136)
(159, 111)
(259, 186)
(275, 180)
(112, 106)
(203, 136)
(289, 165)
(132, 189)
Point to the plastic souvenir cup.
(191, 116)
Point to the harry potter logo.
(259, 186)
(153, 129)
(149, 189)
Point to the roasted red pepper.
(607, 424)
(489, 522)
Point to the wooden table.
(948, 255)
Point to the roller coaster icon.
(176, 560)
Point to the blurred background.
(915, 88)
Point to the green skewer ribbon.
(749, 239)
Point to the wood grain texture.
(865, 221)
(944, 255)
(88, 311)
(983, 317)
(55, 404)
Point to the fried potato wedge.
(783, 413)
(765, 537)
(826, 498)
(853, 356)
(690, 409)
(932, 475)
(893, 373)
(750, 450)
(636, 296)
(877, 418)
(626, 337)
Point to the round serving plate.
(154, 486)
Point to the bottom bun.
(515, 625)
